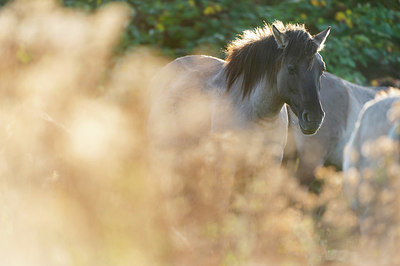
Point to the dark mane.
(255, 55)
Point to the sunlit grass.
(81, 182)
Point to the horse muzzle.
(308, 126)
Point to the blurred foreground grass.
(80, 184)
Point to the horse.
(265, 69)
(342, 102)
(371, 160)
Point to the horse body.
(205, 74)
(342, 102)
(373, 122)
(265, 69)
(371, 152)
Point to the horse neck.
(263, 103)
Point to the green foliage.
(364, 42)
(365, 37)
(183, 26)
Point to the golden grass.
(80, 184)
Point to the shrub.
(363, 46)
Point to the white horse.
(372, 157)
(265, 69)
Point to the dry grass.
(80, 185)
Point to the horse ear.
(320, 38)
(281, 38)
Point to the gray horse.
(371, 160)
(342, 101)
(265, 69)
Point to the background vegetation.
(81, 185)
(364, 42)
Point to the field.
(81, 183)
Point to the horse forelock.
(255, 55)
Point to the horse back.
(373, 122)
(180, 98)
(188, 72)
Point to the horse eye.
(292, 69)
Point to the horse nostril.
(306, 116)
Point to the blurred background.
(79, 184)
(364, 45)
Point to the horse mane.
(255, 54)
